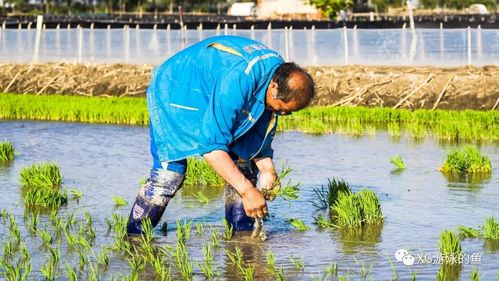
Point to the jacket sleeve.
(231, 94)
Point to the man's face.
(277, 105)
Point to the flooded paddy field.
(107, 160)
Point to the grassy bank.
(466, 125)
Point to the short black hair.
(302, 93)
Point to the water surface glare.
(107, 160)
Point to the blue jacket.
(211, 96)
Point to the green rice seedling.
(162, 272)
(71, 273)
(75, 194)
(326, 198)
(46, 237)
(42, 175)
(136, 263)
(206, 266)
(299, 264)
(229, 230)
(183, 230)
(449, 246)
(280, 274)
(468, 232)
(103, 259)
(298, 224)
(322, 222)
(364, 271)
(332, 269)
(199, 172)
(88, 218)
(215, 240)
(474, 275)
(119, 201)
(248, 273)
(183, 263)
(14, 232)
(147, 232)
(49, 270)
(270, 260)
(4, 214)
(490, 228)
(15, 272)
(199, 228)
(468, 160)
(6, 151)
(9, 248)
(236, 258)
(32, 223)
(398, 162)
(201, 197)
(371, 208)
(70, 220)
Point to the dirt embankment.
(375, 86)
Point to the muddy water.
(104, 160)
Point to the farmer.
(220, 99)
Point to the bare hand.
(254, 203)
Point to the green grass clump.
(42, 175)
(200, 172)
(450, 247)
(6, 151)
(398, 162)
(119, 201)
(357, 209)
(42, 186)
(489, 230)
(326, 198)
(45, 197)
(298, 224)
(468, 160)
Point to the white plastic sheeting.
(306, 47)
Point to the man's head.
(291, 89)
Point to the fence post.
(38, 38)
(286, 43)
(411, 14)
(469, 45)
(345, 41)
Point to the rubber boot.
(153, 198)
(234, 209)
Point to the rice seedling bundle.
(490, 228)
(6, 151)
(42, 183)
(42, 175)
(328, 197)
(398, 162)
(119, 201)
(450, 247)
(348, 210)
(200, 172)
(371, 208)
(357, 209)
(74, 109)
(468, 160)
(298, 224)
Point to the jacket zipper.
(271, 126)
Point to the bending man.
(219, 98)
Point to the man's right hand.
(253, 200)
(254, 203)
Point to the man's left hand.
(268, 182)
